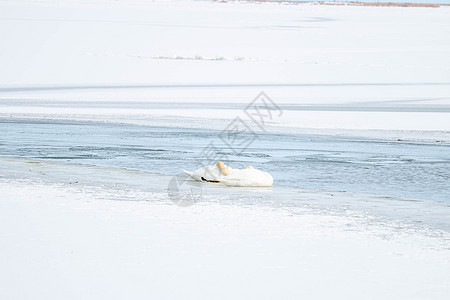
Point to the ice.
(103, 103)
(111, 237)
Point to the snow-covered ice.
(90, 238)
(364, 71)
(102, 103)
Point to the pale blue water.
(407, 170)
(401, 182)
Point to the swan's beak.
(249, 167)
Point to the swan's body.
(232, 177)
(248, 177)
(210, 173)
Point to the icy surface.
(103, 103)
(360, 71)
(408, 170)
(100, 232)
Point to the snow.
(79, 231)
(75, 240)
(389, 63)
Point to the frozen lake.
(403, 180)
(409, 170)
(150, 86)
(103, 103)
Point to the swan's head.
(223, 169)
(249, 167)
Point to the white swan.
(232, 177)
(211, 173)
(248, 177)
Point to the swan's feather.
(189, 173)
(248, 177)
(236, 177)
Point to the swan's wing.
(248, 177)
(211, 172)
(189, 173)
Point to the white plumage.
(248, 177)
(232, 177)
(208, 173)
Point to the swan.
(248, 177)
(232, 177)
(211, 173)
